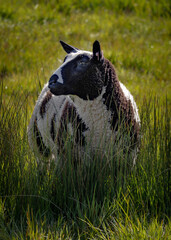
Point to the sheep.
(83, 99)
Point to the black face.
(81, 73)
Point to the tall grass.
(83, 196)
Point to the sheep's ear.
(97, 53)
(68, 48)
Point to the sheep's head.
(81, 74)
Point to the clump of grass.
(131, 229)
(6, 13)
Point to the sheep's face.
(80, 74)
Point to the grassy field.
(97, 200)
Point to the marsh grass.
(104, 198)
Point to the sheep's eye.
(83, 60)
(82, 63)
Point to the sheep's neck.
(96, 117)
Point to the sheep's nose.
(53, 79)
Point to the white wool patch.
(129, 96)
(54, 107)
(58, 73)
(97, 118)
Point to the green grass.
(96, 200)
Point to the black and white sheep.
(85, 99)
